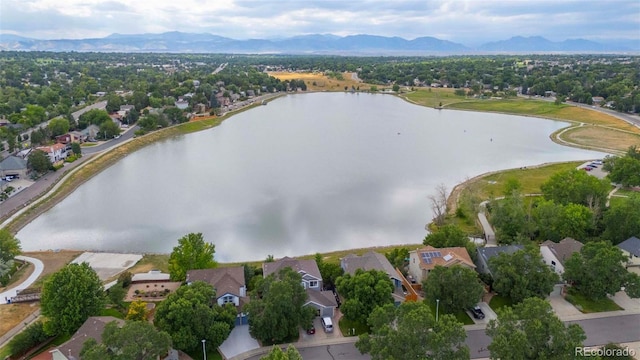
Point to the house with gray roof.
(324, 301)
(92, 328)
(631, 248)
(555, 254)
(374, 261)
(13, 166)
(230, 286)
(486, 253)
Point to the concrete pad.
(489, 314)
(108, 265)
(560, 306)
(238, 342)
(624, 301)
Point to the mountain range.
(180, 42)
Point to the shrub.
(33, 335)
(125, 279)
(71, 159)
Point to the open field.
(432, 97)
(151, 262)
(321, 82)
(12, 314)
(601, 137)
(492, 185)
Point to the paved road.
(39, 267)
(616, 329)
(128, 134)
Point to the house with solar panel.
(323, 301)
(422, 261)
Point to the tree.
(33, 335)
(277, 354)
(522, 274)
(137, 311)
(556, 221)
(191, 253)
(510, 218)
(456, 287)
(329, 272)
(190, 314)
(598, 270)
(69, 297)
(109, 129)
(39, 161)
(58, 126)
(116, 295)
(113, 102)
(409, 331)
(175, 115)
(77, 150)
(622, 220)
(135, 340)
(625, 170)
(363, 292)
(531, 330)
(450, 235)
(276, 310)
(578, 187)
(93, 117)
(439, 204)
(9, 246)
(399, 258)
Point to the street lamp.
(437, 309)
(204, 349)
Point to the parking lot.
(595, 168)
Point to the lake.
(307, 173)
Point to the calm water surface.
(307, 173)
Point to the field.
(601, 137)
(321, 82)
(432, 97)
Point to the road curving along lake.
(307, 173)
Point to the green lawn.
(346, 327)
(212, 354)
(498, 302)
(112, 312)
(591, 306)
(460, 315)
(627, 192)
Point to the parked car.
(477, 312)
(586, 169)
(311, 330)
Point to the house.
(229, 284)
(374, 261)
(422, 261)
(555, 254)
(56, 152)
(90, 132)
(70, 137)
(597, 100)
(4, 122)
(324, 301)
(127, 108)
(631, 248)
(13, 166)
(181, 103)
(486, 253)
(92, 328)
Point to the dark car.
(311, 330)
(477, 312)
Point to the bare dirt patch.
(601, 137)
(53, 261)
(321, 82)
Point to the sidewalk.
(298, 345)
(39, 267)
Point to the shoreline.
(66, 184)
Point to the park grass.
(601, 137)
(432, 97)
(587, 306)
(488, 186)
(4, 352)
(545, 109)
(346, 327)
(499, 302)
(88, 144)
(626, 192)
(617, 201)
(151, 262)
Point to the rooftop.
(226, 280)
(631, 245)
(92, 328)
(307, 266)
(563, 249)
(369, 261)
(13, 163)
(431, 257)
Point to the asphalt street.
(600, 331)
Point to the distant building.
(555, 254)
(56, 152)
(631, 248)
(13, 166)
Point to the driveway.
(39, 266)
(238, 342)
(489, 314)
(560, 306)
(624, 301)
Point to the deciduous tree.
(9, 246)
(409, 331)
(522, 274)
(190, 314)
(69, 297)
(39, 161)
(329, 271)
(135, 340)
(276, 310)
(598, 270)
(622, 220)
(191, 253)
(450, 235)
(363, 292)
(137, 311)
(456, 287)
(577, 187)
(58, 126)
(530, 331)
(278, 354)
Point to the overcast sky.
(466, 21)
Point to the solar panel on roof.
(427, 260)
